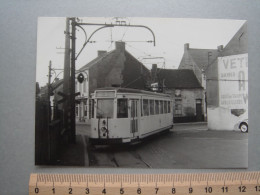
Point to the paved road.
(179, 148)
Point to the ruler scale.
(229, 183)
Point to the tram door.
(134, 116)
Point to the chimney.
(154, 67)
(120, 46)
(154, 73)
(220, 48)
(101, 53)
(186, 46)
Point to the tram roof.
(130, 90)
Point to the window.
(77, 110)
(177, 93)
(151, 102)
(156, 106)
(141, 104)
(92, 108)
(105, 108)
(76, 86)
(161, 107)
(165, 107)
(178, 107)
(169, 107)
(85, 108)
(122, 108)
(84, 85)
(146, 107)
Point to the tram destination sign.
(233, 81)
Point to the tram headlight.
(104, 129)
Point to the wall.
(221, 118)
(188, 99)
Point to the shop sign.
(233, 81)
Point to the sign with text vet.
(233, 81)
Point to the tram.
(123, 115)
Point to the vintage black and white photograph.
(141, 92)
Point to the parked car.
(243, 126)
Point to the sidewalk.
(203, 126)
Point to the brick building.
(186, 91)
(206, 64)
(115, 68)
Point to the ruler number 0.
(208, 189)
(190, 190)
(36, 190)
(122, 191)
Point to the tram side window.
(156, 106)
(122, 108)
(92, 108)
(165, 107)
(161, 107)
(169, 107)
(146, 107)
(151, 102)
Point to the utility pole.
(49, 112)
(72, 137)
(66, 78)
(49, 92)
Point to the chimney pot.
(220, 47)
(186, 46)
(101, 53)
(120, 45)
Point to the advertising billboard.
(233, 81)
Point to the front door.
(134, 116)
(199, 115)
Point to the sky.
(170, 34)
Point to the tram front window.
(122, 108)
(105, 108)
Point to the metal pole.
(72, 137)
(49, 113)
(66, 77)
